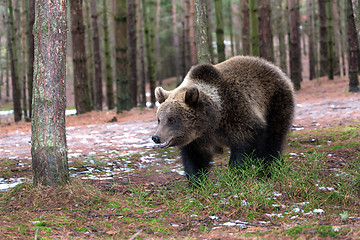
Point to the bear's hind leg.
(196, 160)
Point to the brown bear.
(244, 103)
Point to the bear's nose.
(155, 138)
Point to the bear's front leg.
(196, 160)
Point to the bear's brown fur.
(244, 103)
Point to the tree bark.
(108, 70)
(16, 91)
(353, 49)
(220, 30)
(122, 76)
(90, 54)
(295, 47)
(202, 38)
(266, 36)
(245, 27)
(309, 8)
(48, 139)
(231, 30)
(131, 30)
(81, 87)
(31, 54)
(210, 29)
(254, 28)
(149, 27)
(192, 38)
(142, 76)
(323, 39)
(175, 41)
(330, 39)
(97, 56)
(24, 33)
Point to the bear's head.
(186, 113)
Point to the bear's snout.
(156, 139)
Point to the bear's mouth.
(166, 144)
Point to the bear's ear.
(161, 95)
(192, 96)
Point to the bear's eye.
(171, 120)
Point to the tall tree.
(210, 29)
(81, 87)
(108, 70)
(31, 53)
(175, 41)
(353, 49)
(202, 38)
(97, 58)
(295, 47)
(266, 36)
(90, 54)
(149, 27)
(192, 38)
(220, 30)
(122, 77)
(323, 38)
(230, 26)
(254, 28)
(16, 91)
(309, 9)
(141, 51)
(245, 32)
(24, 52)
(330, 39)
(48, 139)
(131, 31)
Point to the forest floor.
(123, 187)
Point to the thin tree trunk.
(282, 43)
(157, 42)
(202, 38)
(210, 29)
(90, 54)
(81, 87)
(97, 57)
(131, 31)
(24, 34)
(309, 8)
(231, 30)
(31, 53)
(149, 26)
(48, 139)
(342, 15)
(330, 39)
(323, 39)
(108, 70)
(220, 30)
(7, 72)
(192, 38)
(141, 51)
(245, 27)
(16, 91)
(122, 76)
(295, 47)
(266, 36)
(336, 39)
(254, 28)
(175, 41)
(353, 49)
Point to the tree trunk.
(97, 57)
(141, 54)
(31, 54)
(330, 39)
(309, 8)
(48, 150)
(295, 47)
(254, 28)
(323, 39)
(122, 77)
(353, 49)
(192, 38)
(266, 37)
(231, 30)
(336, 39)
(90, 54)
(245, 27)
(108, 70)
(202, 38)
(149, 26)
(81, 87)
(16, 91)
(7, 72)
(24, 53)
(210, 29)
(175, 41)
(131, 31)
(157, 42)
(220, 30)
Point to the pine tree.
(48, 139)
(266, 37)
(31, 53)
(323, 38)
(220, 30)
(353, 49)
(245, 32)
(202, 38)
(254, 28)
(131, 31)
